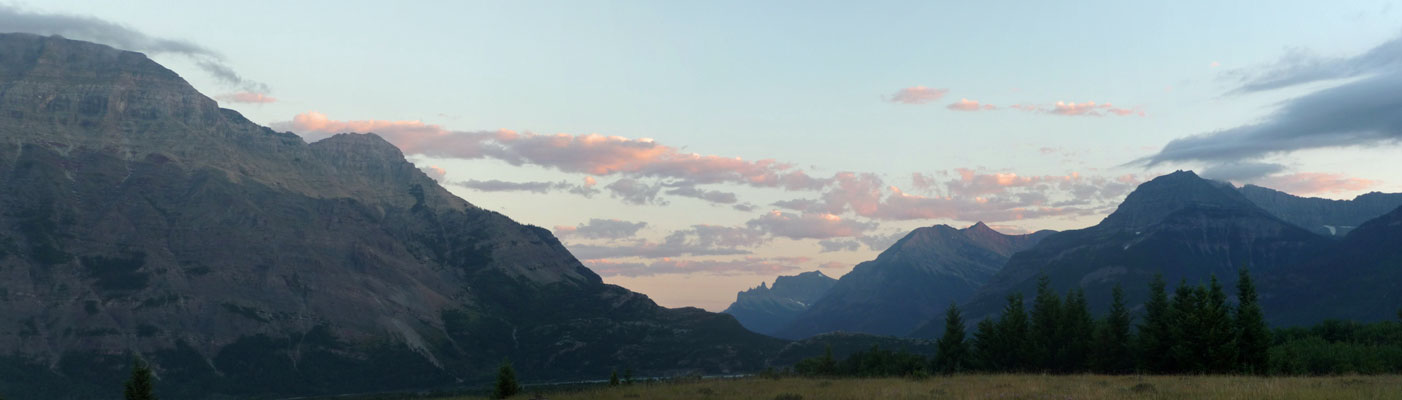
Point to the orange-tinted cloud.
(1315, 183)
(970, 105)
(246, 97)
(809, 225)
(747, 265)
(589, 153)
(435, 172)
(1086, 109)
(917, 95)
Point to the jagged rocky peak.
(1167, 194)
(1323, 216)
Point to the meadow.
(1030, 387)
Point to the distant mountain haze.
(767, 309)
(1323, 216)
(140, 219)
(912, 281)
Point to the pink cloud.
(435, 172)
(590, 153)
(667, 266)
(1316, 183)
(809, 225)
(246, 97)
(970, 105)
(917, 95)
(1091, 109)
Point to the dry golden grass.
(1038, 387)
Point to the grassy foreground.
(1003, 387)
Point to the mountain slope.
(912, 281)
(766, 310)
(1323, 216)
(1357, 280)
(139, 218)
(1178, 225)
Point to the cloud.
(435, 172)
(747, 265)
(246, 97)
(968, 196)
(590, 153)
(831, 245)
(970, 105)
(494, 185)
(1074, 109)
(808, 226)
(13, 19)
(712, 196)
(1314, 183)
(1241, 170)
(1300, 66)
(698, 240)
(917, 95)
(602, 229)
(633, 191)
(1366, 111)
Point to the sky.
(690, 150)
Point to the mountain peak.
(1164, 195)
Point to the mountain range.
(767, 309)
(141, 219)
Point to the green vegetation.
(1030, 386)
(140, 385)
(506, 382)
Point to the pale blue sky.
(800, 82)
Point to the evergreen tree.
(1253, 339)
(827, 366)
(506, 382)
(1013, 337)
(953, 355)
(628, 374)
(140, 385)
(1077, 329)
(1156, 332)
(1111, 354)
(1046, 339)
(1187, 339)
(1218, 331)
(613, 378)
(985, 346)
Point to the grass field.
(1050, 387)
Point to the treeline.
(1195, 331)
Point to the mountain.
(912, 281)
(766, 310)
(137, 218)
(1323, 216)
(1357, 280)
(1178, 225)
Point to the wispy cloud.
(1367, 111)
(590, 153)
(1314, 183)
(246, 97)
(970, 105)
(602, 229)
(917, 95)
(747, 265)
(13, 19)
(809, 225)
(493, 185)
(698, 240)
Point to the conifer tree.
(1253, 339)
(613, 378)
(506, 381)
(1218, 330)
(139, 386)
(1013, 347)
(827, 366)
(953, 355)
(985, 346)
(1188, 340)
(1046, 339)
(1076, 331)
(1111, 352)
(1156, 332)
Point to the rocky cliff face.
(1323, 216)
(766, 310)
(1178, 225)
(912, 281)
(139, 218)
